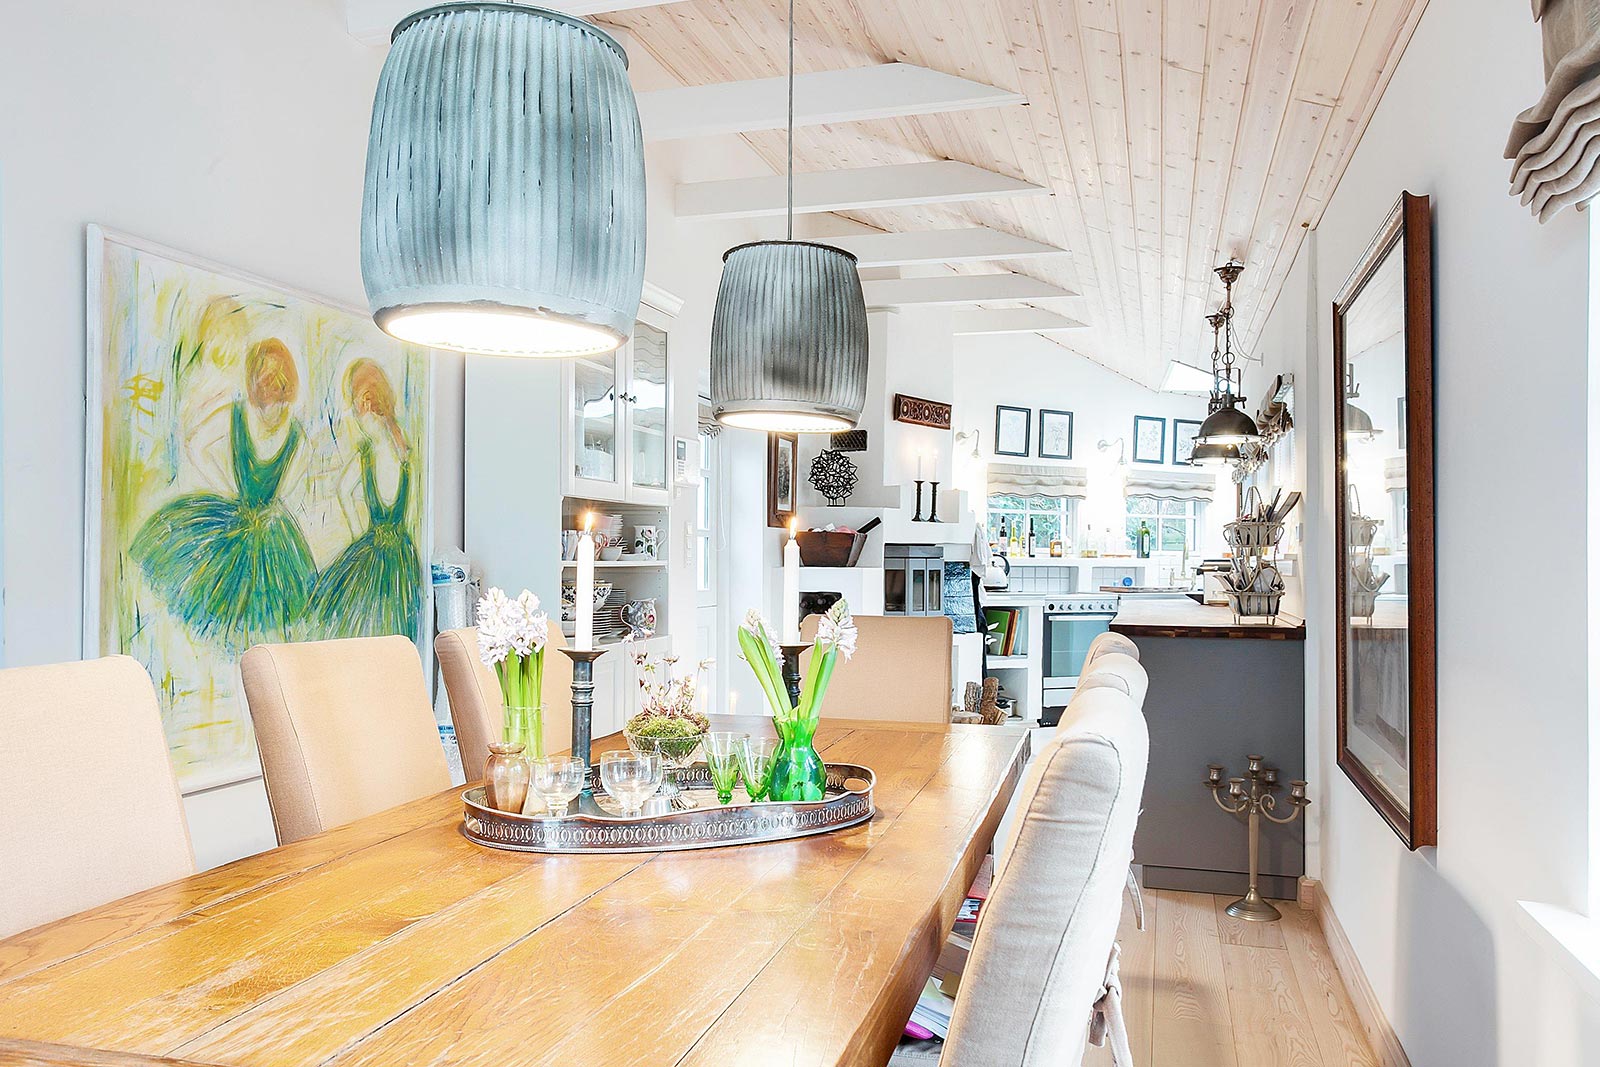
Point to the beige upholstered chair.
(900, 672)
(1118, 670)
(1044, 941)
(474, 691)
(344, 728)
(1107, 643)
(83, 748)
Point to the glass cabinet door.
(647, 409)
(595, 419)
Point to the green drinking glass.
(756, 757)
(722, 760)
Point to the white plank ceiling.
(1170, 134)
(883, 91)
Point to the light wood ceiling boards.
(1171, 133)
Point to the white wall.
(1031, 371)
(237, 131)
(1436, 930)
(230, 129)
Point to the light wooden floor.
(1203, 989)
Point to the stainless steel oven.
(913, 580)
(1070, 624)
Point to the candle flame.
(588, 521)
(794, 526)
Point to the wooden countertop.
(1182, 617)
(395, 940)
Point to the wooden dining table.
(394, 940)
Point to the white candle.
(791, 587)
(584, 608)
(919, 463)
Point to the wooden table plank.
(608, 952)
(35, 949)
(396, 940)
(368, 990)
(321, 1016)
(151, 992)
(43, 1054)
(877, 935)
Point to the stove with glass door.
(1071, 622)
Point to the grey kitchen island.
(1219, 690)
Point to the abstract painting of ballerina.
(257, 473)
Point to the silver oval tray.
(594, 822)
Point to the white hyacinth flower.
(838, 629)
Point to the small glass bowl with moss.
(675, 736)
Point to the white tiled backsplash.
(1061, 580)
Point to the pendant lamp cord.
(790, 231)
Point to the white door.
(712, 640)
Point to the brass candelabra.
(1255, 798)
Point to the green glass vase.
(798, 772)
(525, 726)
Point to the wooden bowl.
(829, 548)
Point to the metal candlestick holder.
(933, 513)
(918, 516)
(1255, 799)
(583, 709)
(791, 669)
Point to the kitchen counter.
(1180, 616)
(1214, 701)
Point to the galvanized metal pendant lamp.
(1209, 455)
(789, 333)
(1227, 425)
(504, 209)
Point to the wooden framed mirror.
(1383, 496)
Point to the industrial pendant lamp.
(504, 204)
(789, 333)
(1209, 455)
(1227, 425)
(1358, 424)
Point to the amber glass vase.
(506, 776)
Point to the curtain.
(1171, 485)
(1022, 479)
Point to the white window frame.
(1194, 518)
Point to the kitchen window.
(1174, 524)
(1053, 518)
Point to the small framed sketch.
(1055, 434)
(1183, 431)
(1012, 430)
(1149, 439)
(782, 452)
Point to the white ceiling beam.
(959, 289)
(973, 245)
(885, 91)
(372, 21)
(1011, 320)
(897, 185)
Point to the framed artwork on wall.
(258, 465)
(1383, 496)
(1183, 431)
(1013, 428)
(782, 454)
(1149, 439)
(1055, 434)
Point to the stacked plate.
(608, 625)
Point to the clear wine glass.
(722, 760)
(631, 778)
(558, 779)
